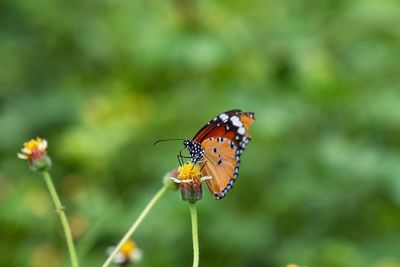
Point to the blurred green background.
(319, 184)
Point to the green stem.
(63, 218)
(136, 224)
(195, 235)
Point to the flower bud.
(41, 164)
(35, 152)
(191, 191)
(189, 180)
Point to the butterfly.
(217, 148)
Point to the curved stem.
(63, 218)
(136, 224)
(193, 215)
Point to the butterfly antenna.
(171, 139)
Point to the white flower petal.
(205, 178)
(176, 180)
(43, 145)
(110, 250)
(119, 258)
(136, 255)
(22, 156)
(26, 151)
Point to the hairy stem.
(63, 218)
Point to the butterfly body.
(217, 148)
(195, 150)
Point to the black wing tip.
(251, 115)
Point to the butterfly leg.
(204, 164)
(181, 157)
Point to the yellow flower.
(35, 152)
(188, 171)
(33, 148)
(292, 265)
(128, 253)
(189, 179)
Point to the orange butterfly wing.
(221, 162)
(233, 125)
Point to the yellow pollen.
(33, 144)
(188, 171)
(292, 265)
(127, 247)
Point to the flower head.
(35, 152)
(292, 265)
(128, 253)
(189, 179)
(188, 171)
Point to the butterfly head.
(195, 150)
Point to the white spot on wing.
(236, 122)
(224, 117)
(234, 118)
(241, 130)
